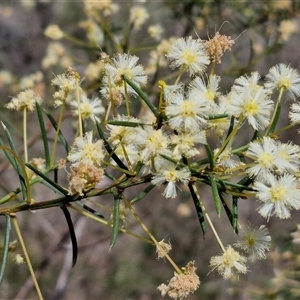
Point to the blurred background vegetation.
(265, 33)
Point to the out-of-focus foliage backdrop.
(265, 33)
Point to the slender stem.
(234, 169)
(26, 183)
(212, 70)
(99, 205)
(275, 111)
(153, 164)
(5, 247)
(126, 98)
(127, 203)
(111, 99)
(120, 182)
(115, 45)
(126, 156)
(208, 218)
(78, 103)
(15, 222)
(74, 40)
(228, 141)
(161, 85)
(179, 75)
(100, 220)
(279, 131)
(25, 135)
(107, 112)
(32, 206)
(117, 168)
(62, 110)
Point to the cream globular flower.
(296, 236)
(89, 108)
(151, 143)
(287, 28)
(278, 194)
(125, 65)
(66, 87)
(56, 54)
(171, 90)
(229, 262)
(113, 84)
(53, 32)
(185, 144)
(188, 54)
(255, 241)
(94, 70)
(219, 126)
(107, 7)
(6, 78)
(272, 156)
(225, 159)
(294, 113)
(181, 285)
(208, 92)
(170, 173)
(287, 158)
(127, 153)
(84, 150)
(93, 31)
(246, 82)
(25, 100)
(284, 77)
(64, 82)
(186, 113)
(264, 154)
(157, 57)
(38, 163)
(29, 81)
(155, 31)
(254, 105)
(124, 134)
(138, 16)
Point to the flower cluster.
(192, 112)
(186, 134)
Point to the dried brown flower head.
(84, 177)
(216, 46)
(181, 285)
(61, 163)
(163, 249)
(114, 95)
